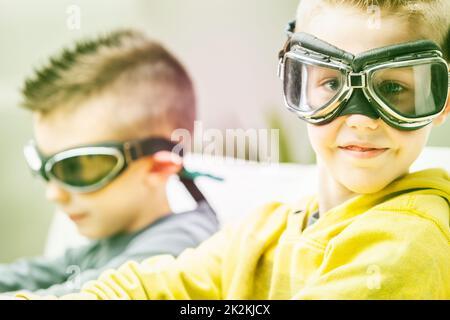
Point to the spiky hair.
(123, 58)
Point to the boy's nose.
(56, 194)
(361, 122)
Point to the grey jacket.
(66, 274)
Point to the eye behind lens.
(84, 170)
(413, 91)
(309, 87)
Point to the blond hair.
(120, 60)
(430, 18)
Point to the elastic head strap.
(145, 147)
(188, 177)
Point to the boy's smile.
(362, 150)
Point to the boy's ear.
(441, 118)
(165, 163)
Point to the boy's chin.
(366, 186)
(92, 233)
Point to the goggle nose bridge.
(356, 80)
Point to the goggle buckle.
(132, 151)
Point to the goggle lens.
(412, 91)
(84, 170)
(308, 87)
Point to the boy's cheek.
(412, 139)
(323, 137)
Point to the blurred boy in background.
(103, 115)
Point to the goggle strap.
(290, 28)
(140, 148)
(146, 147)
(187, 178)
(195, 174)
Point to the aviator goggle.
(91, 167)
(405, 84)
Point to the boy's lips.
(362, 150)
(77, 216)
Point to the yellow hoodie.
(394, 244)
